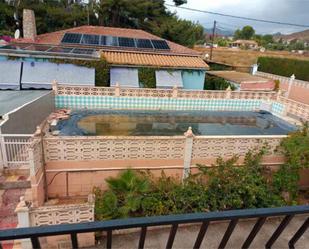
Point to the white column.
(3, 157)
(55, 87)
(188, 153)
(175, 92)
(228, 92)
(23, 217)
(291, 81)
(117, 90)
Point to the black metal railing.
(261, 214)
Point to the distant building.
(126, 50)
(250, 44)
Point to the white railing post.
(23, 217)
(291, 81)
(3, 157)
(175, 91)
(117, 90)
(188, 152)
(55, 87)
(228, 92)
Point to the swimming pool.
(170, 123)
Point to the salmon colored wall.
(68, 179)
(298, 93)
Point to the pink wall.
(298, 93)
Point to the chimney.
(29, 26)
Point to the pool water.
(169, 123)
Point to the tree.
(247, 33)
(149, 15)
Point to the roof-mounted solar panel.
(90, 39)
(71, 38)
(126, 42)
(60, 50)
(83, 51)
(160, 44)
(143, 43)
(109, 41)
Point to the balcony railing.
(34, 233)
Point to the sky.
(291, 11)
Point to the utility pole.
(212, 39)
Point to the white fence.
(15, 150)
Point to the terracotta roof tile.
(54, 38)
(155, 60)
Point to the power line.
(239, 17)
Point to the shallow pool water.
(169, 123)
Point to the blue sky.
(293, 11)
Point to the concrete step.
(14, 182)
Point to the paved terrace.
(10, 100)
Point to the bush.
(285, 67)
(147, 77)
(295, 148)
(216, 83)
(221, 187)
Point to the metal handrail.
(174, 220)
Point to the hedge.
(285, 67)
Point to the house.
(245, 44)
(127, 51)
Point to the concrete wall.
(25, 119)
(193, 79)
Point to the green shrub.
(295, 148)
(217, 83)
(147, 77)
(223, 186)
(285, 67)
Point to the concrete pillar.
(117, 90)
(188, 152)
(3, 157)
(55, 87)
(254, 69)
(291, 81)
(228, 92)
(175, 92)
(23, 217)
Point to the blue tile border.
(110, 102)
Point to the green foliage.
(220, 187)
(295, 148)
(101, 68)
(147, 77)
(246, 33)
(149, 15)
(285, 67)
(6, 19)
(216, 83)
(232, 187)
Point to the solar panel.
(126, 42)
(71, 38)
(83, 51)
(90, 39)
(109, 41)
(143, 43)
(160, 44)
(40, 48)
(60, 50)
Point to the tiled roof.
(54, 38)
(154, 60)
